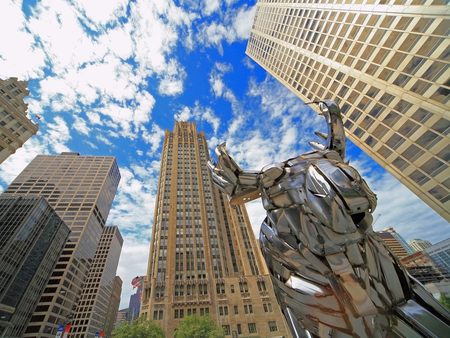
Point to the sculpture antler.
(335, 139)
(240, 185)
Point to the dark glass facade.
(81, 190)
(32, 236)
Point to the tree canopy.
(139, 328)
(198, 327)
(445, 301)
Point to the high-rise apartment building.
(32, 237)
(385, 63)
(15, 127)
(91, 314)
(440, 253)
(204, 258)
(419, 244)
(395, 242)
(113, 306)
(81, 190)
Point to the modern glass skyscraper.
(32, 237)
(81, 190)
(15, 126)
(204, 258)
(91, 315)
(385, 63)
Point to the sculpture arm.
(335, 139)
(242, 186)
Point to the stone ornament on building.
(332, 274)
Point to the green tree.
(444, 300)
(140, 328)
(198, 327)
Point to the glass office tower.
(81, 190)
(32, 237)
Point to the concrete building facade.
(32, 237)
(424, 269)
(204, 259)
(15, 127)
(81, 190)
(385, 63)
(113, 306)
(91, 315)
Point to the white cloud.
(243, 22)
(211, 6)
(104, 11)
(172, 79)
(153, 137)
(132, 263)
(81, 126)
(234, 26)
(26, 60)
(198, 113)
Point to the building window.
(248, 308)
(251, 327)
(236, 310)
(226, 329)
(267, 307)
(273, 326)
(239, 329)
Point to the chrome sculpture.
(332, 274)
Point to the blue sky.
(108, 77)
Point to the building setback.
(15, 127)
(31, 239)
(81, 190)
(92, 311)
(204, 259)
(398, 246)
(384, 63)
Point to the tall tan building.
(385, 63)
(204, 258)
(99, 295)
(15, 127)
(81, 190)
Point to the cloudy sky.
(108, 77)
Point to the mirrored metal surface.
(332, 274)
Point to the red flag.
(67, 328)
(136, 282)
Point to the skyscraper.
(385, 63)
(91, 314)
(395, 242)
(440, 253)
(419, 244)
(15, 127)
(203, 255)
(31, 239)
(113, 306)
(81, 190)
